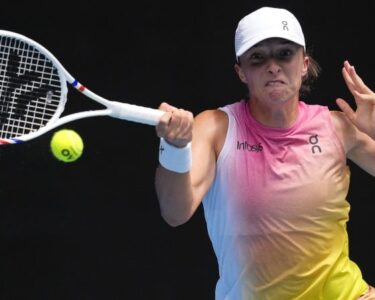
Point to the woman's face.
(273, 70)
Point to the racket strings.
(30, 88)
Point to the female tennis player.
(271, 171)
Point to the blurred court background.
(92, 229)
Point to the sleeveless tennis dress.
(276, 212)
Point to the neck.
(282, 115)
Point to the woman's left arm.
(357, 127)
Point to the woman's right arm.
(180, 194)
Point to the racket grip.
(135, 113)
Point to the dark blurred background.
(92, 229)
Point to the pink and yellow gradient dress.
(276, 212)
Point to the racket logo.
(22, 86)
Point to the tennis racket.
(34, 88)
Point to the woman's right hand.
(175, 126)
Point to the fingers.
(353, 80)
(166, 107)
(176, 125)
(346, 109)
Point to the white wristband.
(175, 159)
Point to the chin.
(278, 98)
(281, 97)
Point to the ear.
(240, 73)
(305, 67)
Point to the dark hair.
(312, 74)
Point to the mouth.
(274, 83)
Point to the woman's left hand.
(364, 115)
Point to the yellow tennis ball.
(66, 145)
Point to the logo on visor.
(285, 25)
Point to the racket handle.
(135, 113)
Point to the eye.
(256, 58)
(285, 53)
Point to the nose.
(273, 67)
